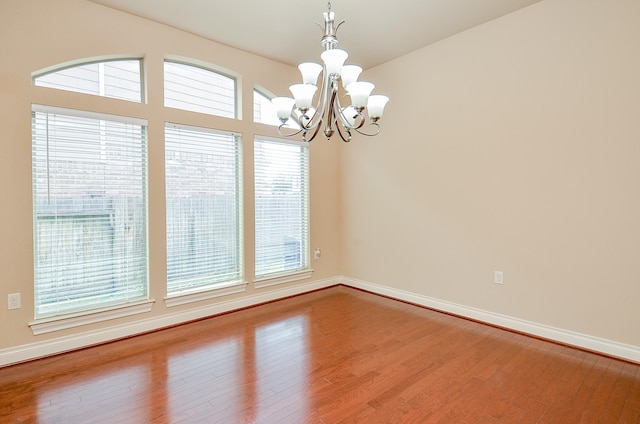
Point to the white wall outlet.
(317, 253)
(498, 277)
(14, 301)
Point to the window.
(90, 210)
(198, 89)
(265, 113)
(204, 204)
(120, 79)
(282, 210)
(263, 110)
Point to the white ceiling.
(375, 31)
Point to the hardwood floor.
(334, 356)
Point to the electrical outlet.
(498, 277)
(14, 301)
(317, 253)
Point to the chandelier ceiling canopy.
(328, 113)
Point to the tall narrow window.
(90, 210)
(204, 197)
(282, 210)
(198, 89)
(120, 79)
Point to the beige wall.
(516, 148)
(35, 34)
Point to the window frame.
(224, 287)
(286, 275)
(46, 322)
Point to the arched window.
(119, 79)
(203, 181)
(89, 193)
(197, 89)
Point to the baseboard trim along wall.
(571, 338)
(58, 345)
(90, 338)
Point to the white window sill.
(63, 322)
(190, 297)
(273, 280)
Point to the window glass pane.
(203, 208)
(200, 90)
(263, 110)
(265, 113)
(119, 79)
(282, 215)
(90, 212)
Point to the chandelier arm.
(322, 98)
(332, 116)
(291, 134)
(347, 130)
(308, 126)
(316, 128)
(372, 124)
(340, 121)
(362, 120)
(338, 110)
(359, 119)
(315, 121)
(318, 114)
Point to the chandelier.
(328, 114)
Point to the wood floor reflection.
(334, 356)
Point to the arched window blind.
(120, 79)
(281, 172)
(204, 208)
(197, 89)
(90, 210)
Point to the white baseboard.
(585, 341)
(67, 343)
(58, 345)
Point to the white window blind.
(198, 89)
(120, 79)
(204, 198)
(281, 207)
(90, 210)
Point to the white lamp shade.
(310, 72)
(375, 105)
(359, 92)
(303, 93)
(283, 106)
(333, 60)
(350, 73)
